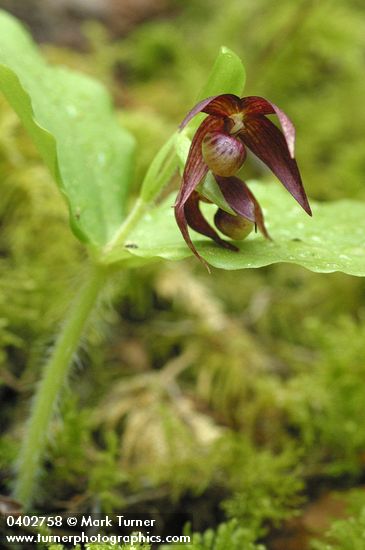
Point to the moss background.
(238, 398)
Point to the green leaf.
(228, 75)
(210, 189)
(333, 240)
(70, 119)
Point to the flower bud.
(224, 154)
(235, 227)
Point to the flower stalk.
(57, 368)
(54, 378)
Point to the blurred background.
(236, 395)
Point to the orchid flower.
(219, 145)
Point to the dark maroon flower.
(219, 145)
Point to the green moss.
(326, 402)
(346, 534)
(269, 393)
(232, 535)
(103, 547)
(266, 487)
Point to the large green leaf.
(70, 119)
(333, 240)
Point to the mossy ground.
(239, 397)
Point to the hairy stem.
(56, 370)
(54, 377)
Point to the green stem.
(54, 377)
(56, 369)
(131, 221)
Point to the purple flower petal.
(195, 167)
(254, 105)
(196, 221)
(190, 214)
(267, 142)
(218, 105)
(242, 201)
(224, 154)
(183, 226)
